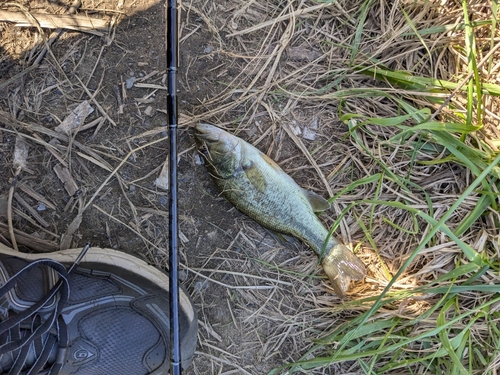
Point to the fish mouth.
(221, 150)
(212, 139)
(207, 133)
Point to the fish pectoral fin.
(341, 266)
(255, 176)
(317, 202)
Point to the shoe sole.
(126, 262)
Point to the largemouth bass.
(258, 187)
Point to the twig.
(28, 190)
(56, 21)
(31, 210)
(9, 208)
(99, 107)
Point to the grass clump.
(437, 305)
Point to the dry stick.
(55, 21)
(29, 241)
(252, 287)
(5, 118)
(466, 79)
(94, 68)
(31, 210)
(226, 272)
(40, 198)
(33, 222)
(51, 150)
(91, 96)
(21, 151)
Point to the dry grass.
(303, 70)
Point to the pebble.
(148, 111)
(163, 201)
(183, 275)
(41, 207)
(130, 82)
(197, 159)
(200, 285)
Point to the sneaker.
(108, 316)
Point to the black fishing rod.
(172, 110)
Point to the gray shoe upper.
(114, 321)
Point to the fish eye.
(203, 149)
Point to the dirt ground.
(231, 266)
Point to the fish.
(257, 186)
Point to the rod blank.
(172, 110)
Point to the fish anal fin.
(341, 266)
(283, 239)
(317, 202)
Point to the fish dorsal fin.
(270, 161)
(277, 168)
(317, 202)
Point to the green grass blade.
(473, 85)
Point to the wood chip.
(21, 150)
(67, 238)
(149, 111)
(303, 54)
(65, 176)
(150, 86)
(75, 119)
(162, 181)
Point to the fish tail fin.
(341, 266)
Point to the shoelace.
(30, 323)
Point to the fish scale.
(258, 187)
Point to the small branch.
(56, 21)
